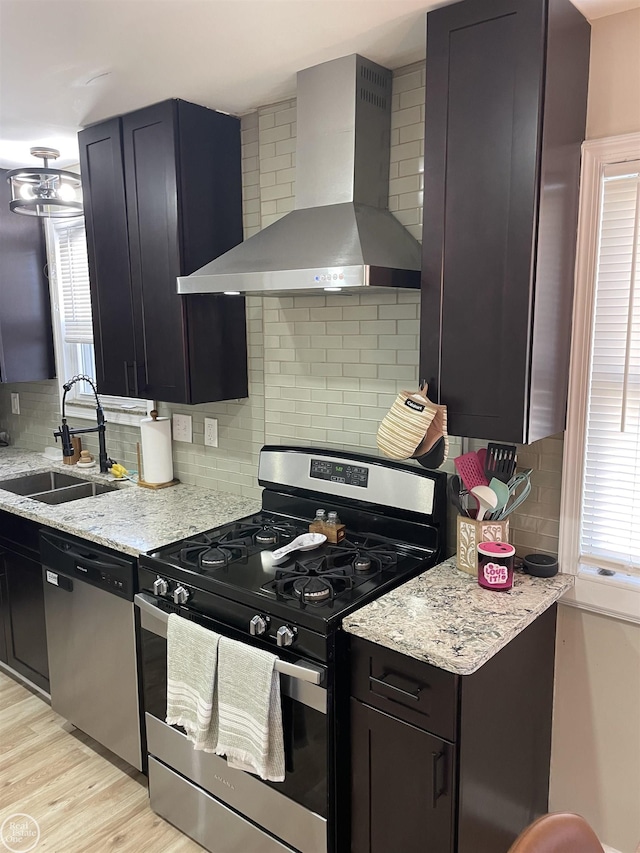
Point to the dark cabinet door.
(488, 155)
(163, 197)
(101, 165)
(402, 786)
(152, 202)
(26, 341)
(25, 628)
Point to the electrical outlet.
(211, 432)
(182, 428)
(15, 404)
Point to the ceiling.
(67, 63)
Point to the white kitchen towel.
(250, 710)
(192, 658)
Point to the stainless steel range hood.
(341, 235)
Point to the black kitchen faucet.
(65, 432)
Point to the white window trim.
(115, 412)
(617, 596)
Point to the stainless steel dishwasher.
(91, 638)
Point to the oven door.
(224, 809)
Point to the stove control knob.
(258, 625)
(285, 635)
(160, 586)
(180, 595)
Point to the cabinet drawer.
(405, 688)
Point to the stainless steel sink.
(73, 493)
(31, 484)
(54, 487)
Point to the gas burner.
(363, 558)
(266, 537)
(263, 532)
(213, 558)
(309, 582)
(362, 563)
(311, 588)
(210, 552)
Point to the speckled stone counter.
(131, 520)
(444, 618)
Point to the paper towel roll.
(155, 436)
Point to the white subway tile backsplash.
(362, 312)
(323, 369)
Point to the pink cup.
(495, 565)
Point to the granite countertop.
(131, 520)
(443, 617)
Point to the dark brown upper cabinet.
(26, 341)
(506, 94)
(163, 196)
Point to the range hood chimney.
(341, 235)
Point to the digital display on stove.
(339, 472)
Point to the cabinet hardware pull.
(135, 378)
(438, 791)
(126, 378)
(410, 694)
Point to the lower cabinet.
(443, 763)
(3, 604)
(24, 641)
(402, 785)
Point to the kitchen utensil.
(520, 476)
(482, 456)
(515, 500)
(502, 493)
(501, 461)
(454, 489)
(304, 542)
(470, 471)
(487, 500)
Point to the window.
(600, 513)
(73, 330)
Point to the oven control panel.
(339, 472)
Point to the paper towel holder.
(141, 481)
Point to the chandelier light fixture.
(43, 191)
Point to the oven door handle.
(160, 619)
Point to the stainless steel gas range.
(228, 580)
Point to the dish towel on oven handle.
(250, 710)
(192, 659)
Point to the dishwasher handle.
(78, 553)
(68, 558)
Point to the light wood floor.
(84, 799)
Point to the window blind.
(73, 275)
(610, 525)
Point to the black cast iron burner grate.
(317, 578)
(207, 551)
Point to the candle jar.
(495, 565)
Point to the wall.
(614, 78)
(324, 370)
(596, 735)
